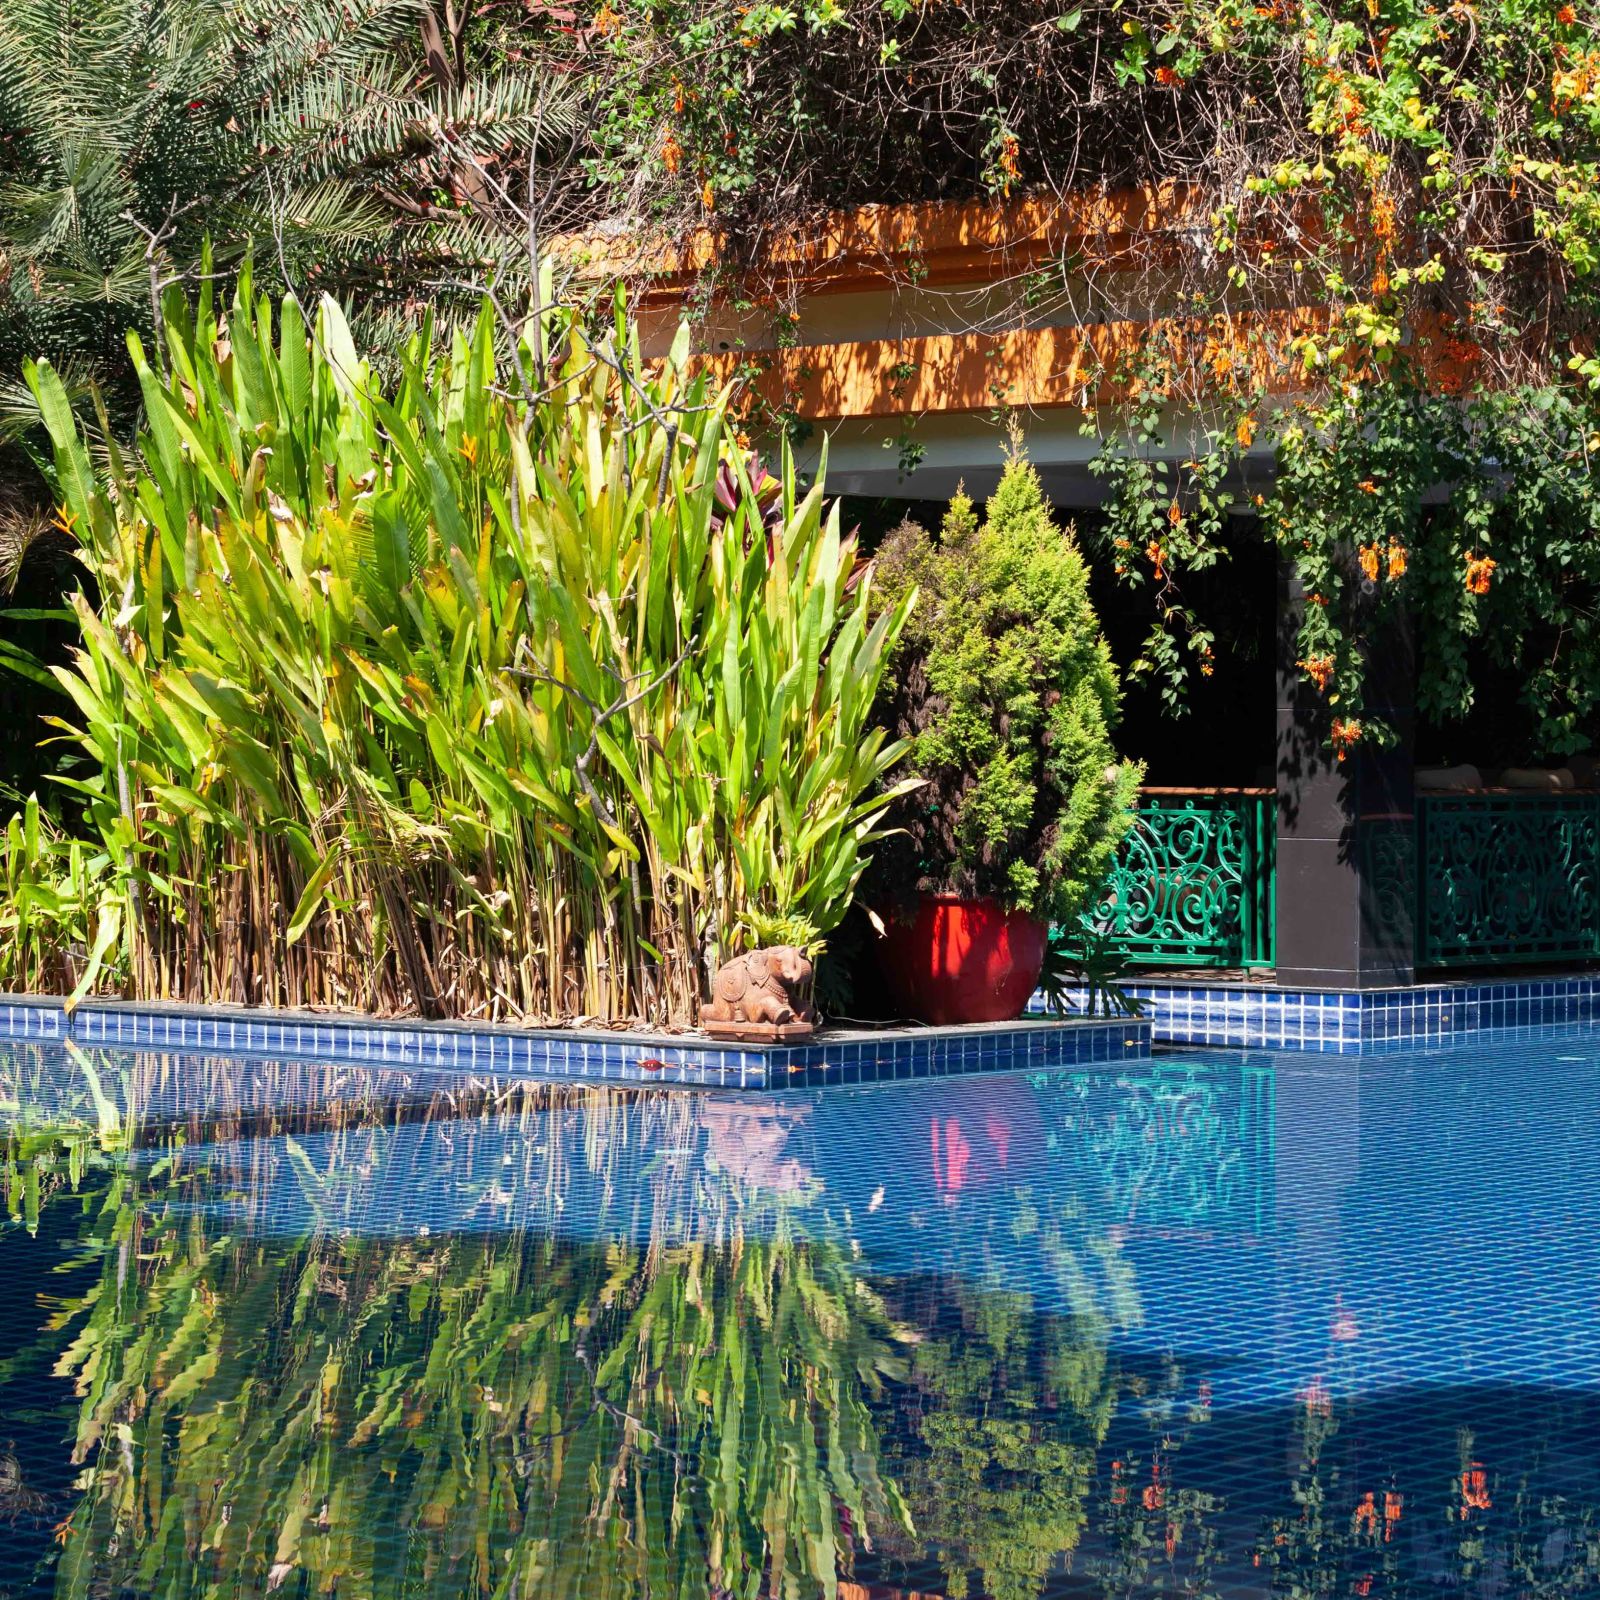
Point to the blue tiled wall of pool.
(1351, 1022)
(573, 1055)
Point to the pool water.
(1217, 1324)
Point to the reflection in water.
(336, 1331)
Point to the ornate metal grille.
(1193, 884)
(1506, 878)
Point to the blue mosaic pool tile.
(614, 1058)
(1349, 1022)
(31, 1022)
(1220, 1015)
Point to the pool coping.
(848, 1056)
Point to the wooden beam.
(1028, 367)
(933, 243)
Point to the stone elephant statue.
(771, 987)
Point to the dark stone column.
(1346, 858)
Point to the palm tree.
(354, 142)
(346, 146)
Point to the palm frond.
(309, 133)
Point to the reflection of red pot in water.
(953, 960)
(993, 1135)
(893, 1150)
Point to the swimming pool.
(1217, 1323)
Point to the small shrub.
(1006, 689)
(60, 910)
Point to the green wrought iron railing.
(1507, 877)
(1193, 883)
(1501, 878)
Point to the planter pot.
(950, 960)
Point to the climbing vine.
(1375, 272)
(1165, 520)
(1408, 171)
(1474, 517)
(1477, 518)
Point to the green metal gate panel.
(1505, 878)
(1193, 883)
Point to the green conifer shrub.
(1006, 689)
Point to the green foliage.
(1474, 517)
(320, 133)
(60, 911)
(1008, 692)
(1381, 158)
(449, 701)
(1479, 520)
(1086, 958)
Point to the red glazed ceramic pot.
(949, 960)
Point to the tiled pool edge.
(1033, 1044)
(1355, 1022)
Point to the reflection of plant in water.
(750, 1367)
(504, 1411)
(1371, 1521)
(1554, 1543)
(1152, 1525)
(1009, 1402)
(48, 1141)
(377, 1352)
(37, 1162)
(1299, 1548)
(499, 1412)
(1011, 1414)
(1159, 1533)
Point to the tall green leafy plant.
(469, 697)
(1007, 692)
